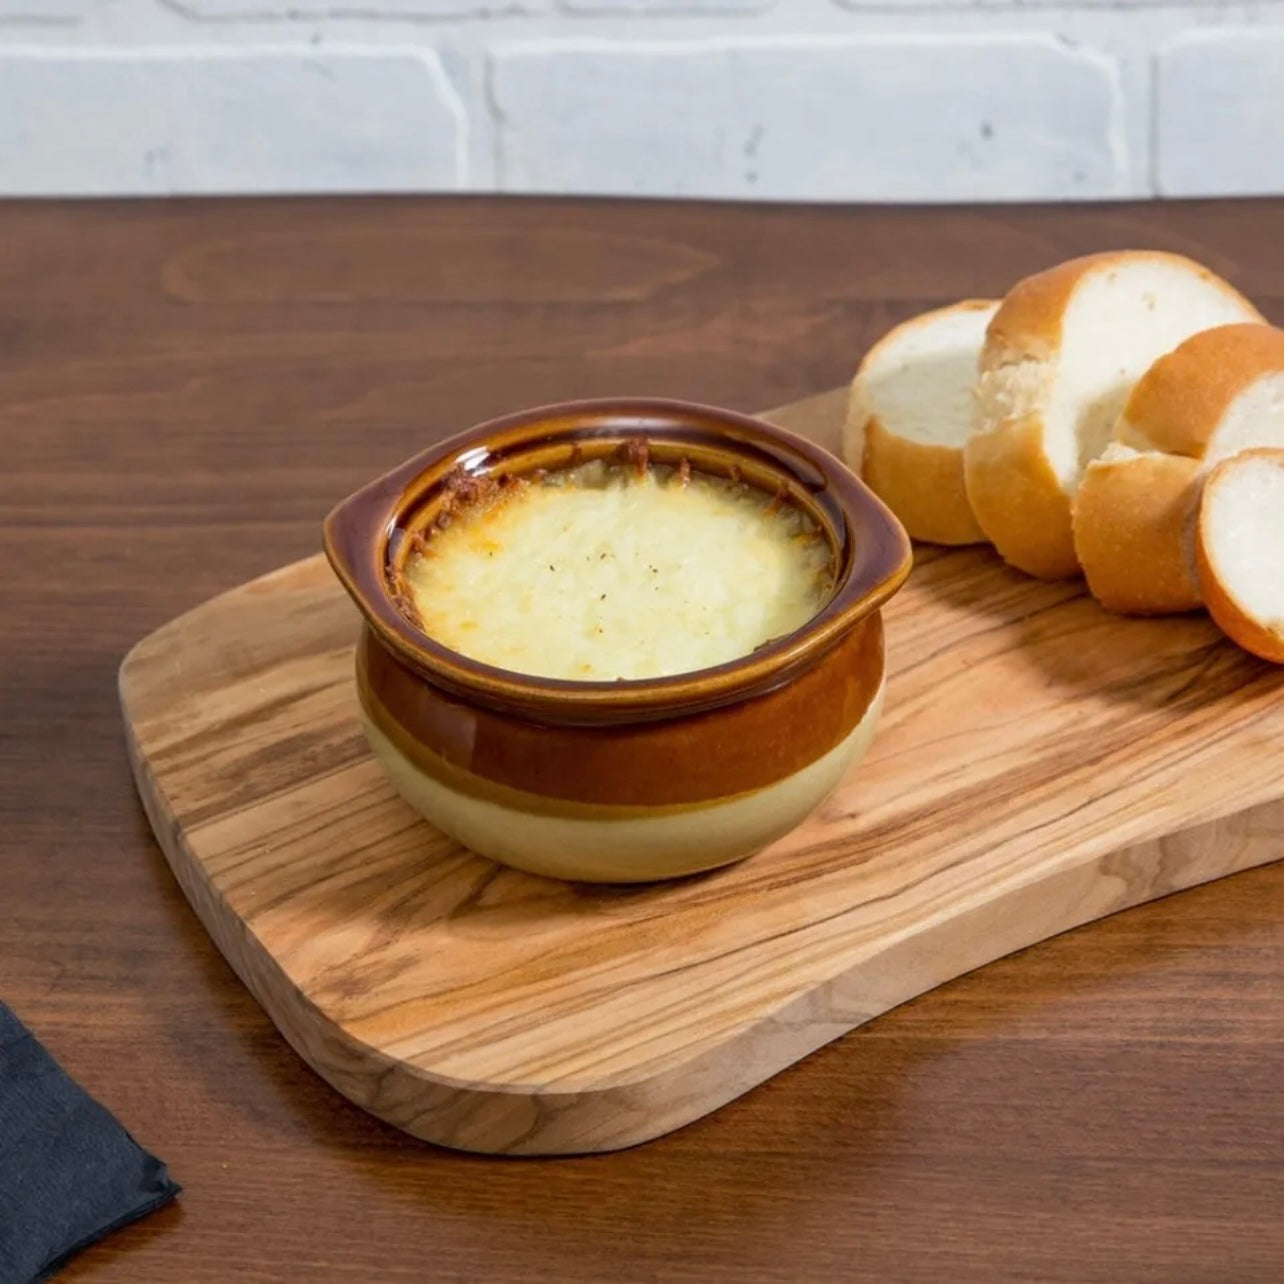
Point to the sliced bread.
(1060, 358)
(1134, 531)
(1216, 394)
(1239, 550)
(909, 415)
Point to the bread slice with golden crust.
(1219, 392)
(1134, 519)
(1060, 358)
(1239, 550)
(910, 413)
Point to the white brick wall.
(901, 119)
(1220, 119)
(228, 120)
(916, 100)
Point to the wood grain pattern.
(1041, 764)
(186, 386)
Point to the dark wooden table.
(184, 390)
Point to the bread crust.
(1228, 614)
(1016, 495)
(921, 482)
(1027, 326)
(1018, 499)
(1178, 403)
(1133, 533)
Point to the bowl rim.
(360, 531)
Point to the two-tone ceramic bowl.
(624, 780)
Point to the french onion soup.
(622, 568)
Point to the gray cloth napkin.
(69, 1173)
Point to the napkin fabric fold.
(69, 1173)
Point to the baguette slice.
(1216, 394)
(909, 415)
(1239, 550)
(1134, 520)
(1060, 358)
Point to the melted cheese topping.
(598, 574)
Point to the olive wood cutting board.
(1040, 764)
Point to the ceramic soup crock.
(621, 781)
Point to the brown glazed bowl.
(621, 781)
